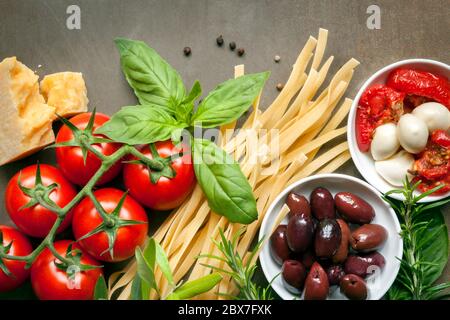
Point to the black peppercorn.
(241, 52)
(219, 40)
(187, 51)
(232, 45)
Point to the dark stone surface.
(35, 31)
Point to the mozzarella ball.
(412, 133)
(385, 142)
(395, 169)
(435, 115)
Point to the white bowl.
(377, 284)
(364, 161)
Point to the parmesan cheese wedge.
(26, 121)
(66, 92)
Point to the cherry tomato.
(432, 165)
(36, 221)
(70, 159)
(421, 83)
(378, 105)
(86, 218)
(166, 193)
(20, 246)
(53, 283)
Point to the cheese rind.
(66, 92)
(26, 118)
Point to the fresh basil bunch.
(166, 109)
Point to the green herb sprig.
(425, 246)
(242, 272)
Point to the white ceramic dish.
(364, 161)
(377, 284)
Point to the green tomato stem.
(107, 163)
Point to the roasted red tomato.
(14, 243)
(21, 200)
(53, 280)
(421, 83)
(378, 105)
(433, 164)
(70, 158)
(165, 192)
(125, 230)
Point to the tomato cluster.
(108, 224)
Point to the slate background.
(35, 31)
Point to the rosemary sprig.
(240, 271)
(413, 281)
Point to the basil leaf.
(100, 290)
(195, 93)
(225, 186)
(183, 111)
(140, 125)
(433, 244)
(153, 80)
(229, 100)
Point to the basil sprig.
(166, 109)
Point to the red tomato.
(86, 218)
(20, 246)
(378, 105)
(52, 283)
(70, 159)
(37, 221)
(167, 193)
(421, 83)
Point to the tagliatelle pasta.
(305, 120)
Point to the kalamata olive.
(353, 209)
(342, 251)
(365, 264)
(278, 244)
(335, 274)
(316, 284)
(308, 258)
(353, 287)
(368, 237)
(293, 274)
(327, 239)
(322, 204)
(300, 231)
(298, 204)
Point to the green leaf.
(435, 250)
(225, 186)
(162, 261)
(229, 100)
(195, 287)
(153, 80)
(195, 93)
(145, 269)
(136, 290)
(101, 290)
(140, 125)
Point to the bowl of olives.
(339, 240)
